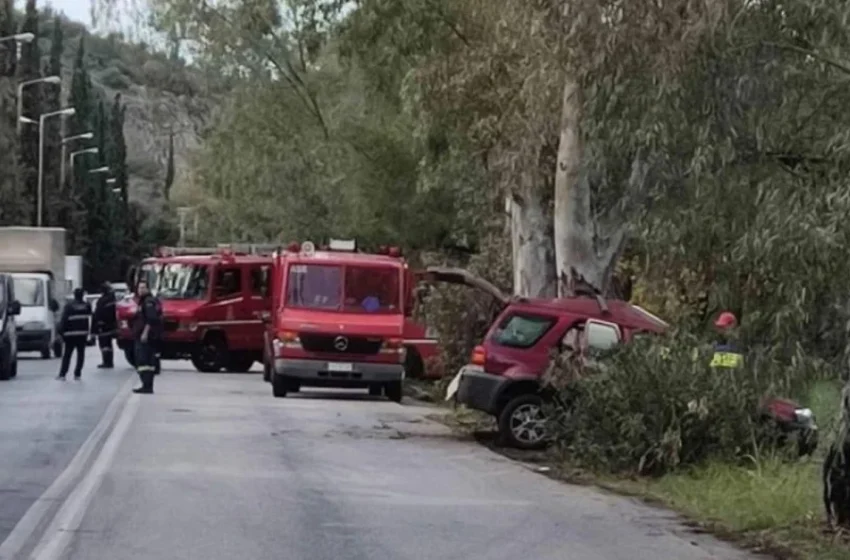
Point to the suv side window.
(228, 282)
(522, 330)
(260, 280)
(600, 335)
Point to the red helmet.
(726, 320)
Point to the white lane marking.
(24, 529)
(61, 531)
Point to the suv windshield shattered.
(183, 281)
(356, 289)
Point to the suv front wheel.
(522, 423)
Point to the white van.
(39, 313)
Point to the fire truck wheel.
(394, 391)
(413, 366)
(279, 386)
(239, 364)
(210, 357)
(267, 371)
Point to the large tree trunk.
(532, 244)
(579, 243)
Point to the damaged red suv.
(503, 378)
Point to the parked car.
(9, 309)
(503, 378)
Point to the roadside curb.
(43, 510)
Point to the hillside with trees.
(145, 112)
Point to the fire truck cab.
(213, 300)
(338, 319)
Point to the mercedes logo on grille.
(341, 343)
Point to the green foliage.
(653, 406)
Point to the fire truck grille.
(330, 344)
(170, 325)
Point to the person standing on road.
(74, 330)
(146, 332)
(105, 324)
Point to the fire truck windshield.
(149, 273)
(351, 288)
(183, 281)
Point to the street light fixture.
(66, 112)
(104, 169)
(83, 136)
(116, 190)
(46, 80)
(111, 181)
(19, 38)
(92, 150)
(27, 120)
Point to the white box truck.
(73, 272)
(35, 259)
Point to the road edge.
(34, 517)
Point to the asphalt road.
(212, 467)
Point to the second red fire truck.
(213, 300)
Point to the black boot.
(147, 384)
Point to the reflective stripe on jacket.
(75, 320)
(726, 356)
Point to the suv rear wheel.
(522, 423)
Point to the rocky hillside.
(162, 97)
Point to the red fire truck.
(339, 319)
(213, 300)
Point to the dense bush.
(654, 405)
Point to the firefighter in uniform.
(146, 332)
(726, 352)
(105, 324)
(74, 329)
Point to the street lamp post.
(18, 38)
(78, 153)
(67, 111)
(65, 141)
(22, 85)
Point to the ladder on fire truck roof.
(221, 248)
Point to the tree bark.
(580, 242)
(532, 245)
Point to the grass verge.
(770, 505)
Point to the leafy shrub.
(655, 404)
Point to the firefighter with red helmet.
(726, 351)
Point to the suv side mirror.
(15, 308)
(53, 305)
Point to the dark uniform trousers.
(146, 362)
(104, 341)
(75, 334)
(73, 344)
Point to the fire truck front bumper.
(322, 373)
